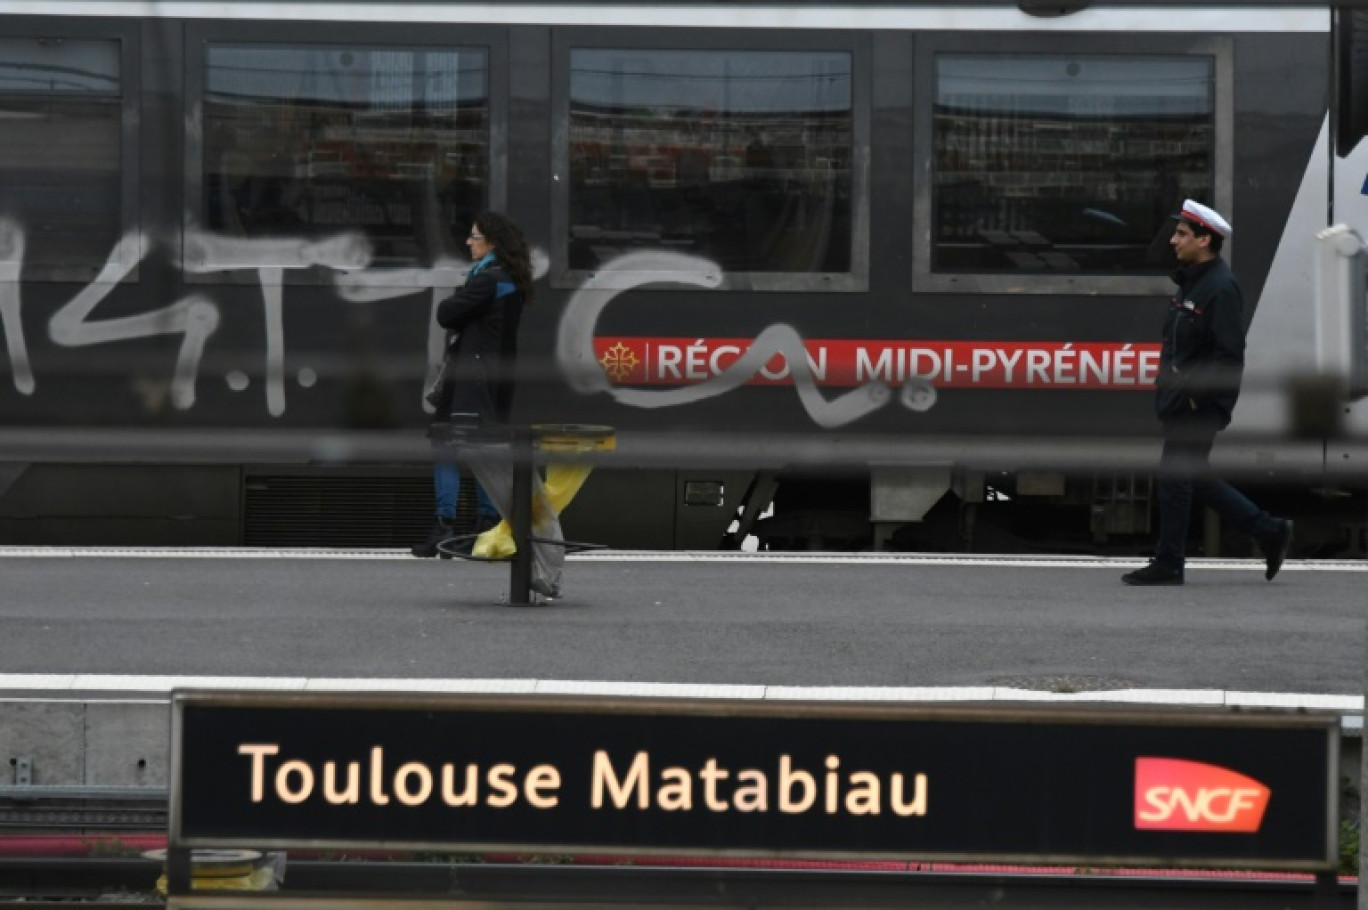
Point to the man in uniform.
(1200, 367)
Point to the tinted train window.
(316, 141)
(1047, 165)
(742, 158)
(61, 151)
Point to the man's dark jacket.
(1202, 359)
(482, 317)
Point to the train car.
(854, 275)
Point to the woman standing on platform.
(483, 317)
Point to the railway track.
(62, 846)
(99, 883)
(41, 808)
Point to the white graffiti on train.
(11, 263)
(441, 280)
(576, 357)
(194, 318)
(208, 252)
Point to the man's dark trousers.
(1184, 475)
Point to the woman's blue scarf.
(486, 260)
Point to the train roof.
(1028, 15)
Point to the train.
(857, 276)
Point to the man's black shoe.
(1275, 550)
(1156, 573)
(445, 529)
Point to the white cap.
(1207, 217)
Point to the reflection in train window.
(1050, 164)
(316, 141)
(60, 149)
(740, 157)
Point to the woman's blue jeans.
(446, 481)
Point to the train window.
(743, 159)
(1061, 171)
(319, 141)
(1065, 163)
(62, 186)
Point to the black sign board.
(755, 779)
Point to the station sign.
(644, 777)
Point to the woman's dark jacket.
(1202, 358)
(482, 317)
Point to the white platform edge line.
(15, 683)
(1014, 560)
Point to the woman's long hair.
(511, 249)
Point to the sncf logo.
(1176, 795)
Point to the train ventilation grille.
(365, 512)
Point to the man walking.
(1200, 367)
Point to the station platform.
(96, 640)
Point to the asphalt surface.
(1054, 625)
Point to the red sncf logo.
(1176, 795)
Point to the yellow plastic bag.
(563, 482)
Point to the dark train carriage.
(902, 261)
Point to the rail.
(51, 807)
(69, 861)
(551, 886)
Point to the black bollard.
(520, 571)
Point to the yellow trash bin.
(563, 478)
(225, 870)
